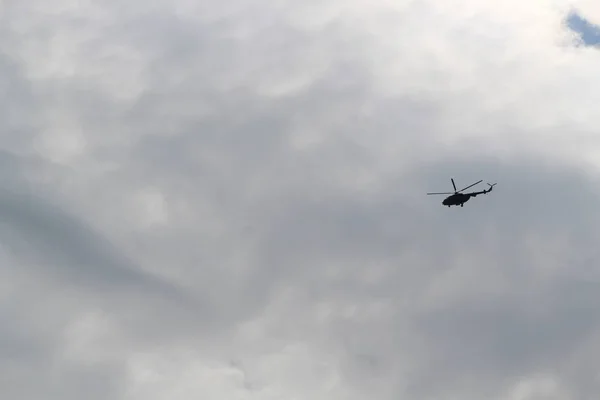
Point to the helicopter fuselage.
(457, 199)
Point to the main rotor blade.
(442, 193)
(453, 184)
(471, 185)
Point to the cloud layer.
(226, 200)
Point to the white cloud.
(588, 8)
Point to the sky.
(590, 33)
(226, 200)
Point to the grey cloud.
(252, 215)
(37, 229)
(533, 321)
(415, 238)
(46, 243)
(92, 382)
(19, 105)
(67, 250)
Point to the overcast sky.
(225, 200)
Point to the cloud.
(588, 9)
(228, 200)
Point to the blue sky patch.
(589, 33)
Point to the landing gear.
(461, 204)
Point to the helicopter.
(458, 198)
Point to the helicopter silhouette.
(459, 199)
